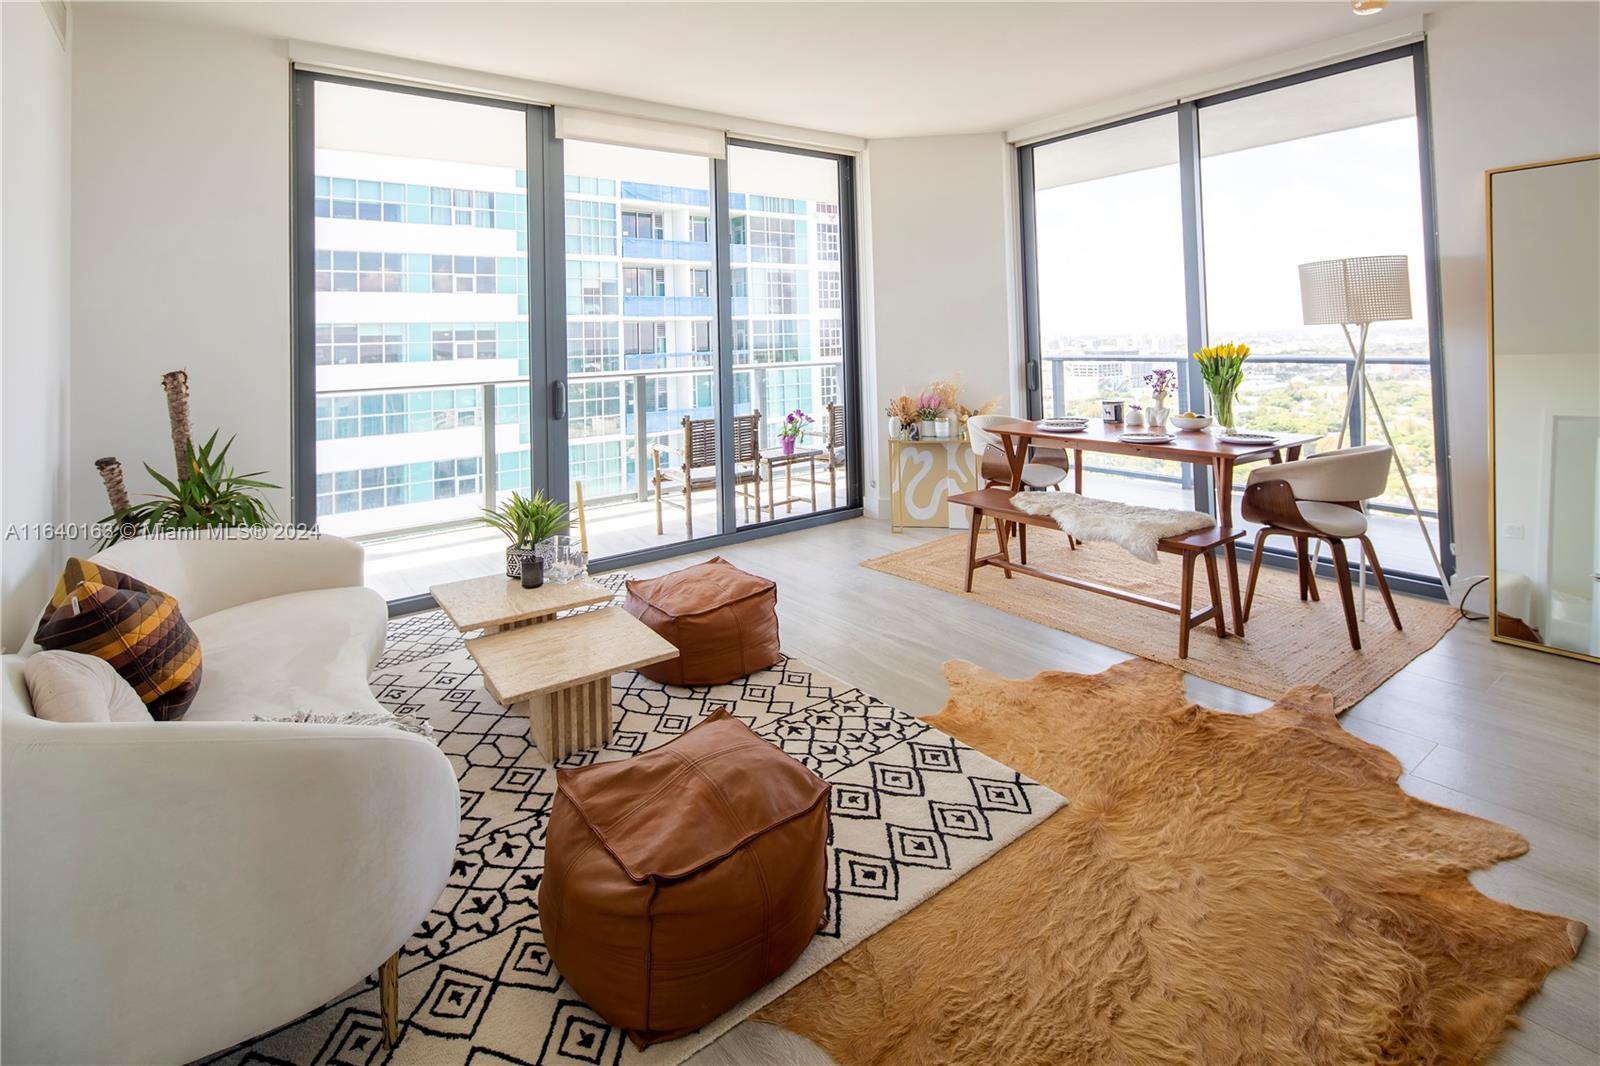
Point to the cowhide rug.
(1222, 889)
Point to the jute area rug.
(912, 810)
(1223, 889)
(1286, 642)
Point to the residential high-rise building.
(422, 327)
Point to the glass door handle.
(558, 400)
(1033, 375)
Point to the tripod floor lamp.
(1358, 292)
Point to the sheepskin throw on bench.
(1136, 528)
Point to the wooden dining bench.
(995, 503)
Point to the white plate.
(1063, 423)
(1062, 429)
(1248, 438)
(1146, 438)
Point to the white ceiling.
(866, 69)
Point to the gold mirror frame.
(1494, 520)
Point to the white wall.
(181, 245)
(182, 249)
(1509, 83)
(939, 282)
(35, 177)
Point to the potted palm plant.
(209, 494)
(526, 521)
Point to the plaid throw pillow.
(137, 629)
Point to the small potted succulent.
(793, 428)
(526, 521)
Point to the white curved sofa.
(172, 888)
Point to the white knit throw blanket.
(1136, 528)
(402, 720)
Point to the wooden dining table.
(1196, 447)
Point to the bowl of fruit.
(1190, 422)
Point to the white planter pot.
(927, 429)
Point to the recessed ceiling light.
(1368, 7)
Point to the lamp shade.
(1369, 288)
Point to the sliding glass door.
(483, 308)
(641, 346)
(687, 352)
(1151, 238)
(790, 378)
(1325, 169)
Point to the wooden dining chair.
(1045, 468)
(698, 466)
(1320, 498)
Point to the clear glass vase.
(1222, 409)
(564, 560)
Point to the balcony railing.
(764, 306)
(1313, 404)
(665, 194)
(484, 455)
(678, 251)
(756, 387)
(667, 306)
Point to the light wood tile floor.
(1503, 733)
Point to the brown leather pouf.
(723, 621)
(678, 882)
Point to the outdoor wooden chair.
(698, 468)
(835, 448)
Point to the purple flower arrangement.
(793, 428)
(1162, 383)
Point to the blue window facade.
(434, 205)
(341, 491)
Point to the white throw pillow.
(65, 686)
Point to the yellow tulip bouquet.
(1222, 369)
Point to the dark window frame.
(1189, 164)
(547, 319)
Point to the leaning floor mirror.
(1544, 405)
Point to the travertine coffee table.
(497, 602)
(559, 673)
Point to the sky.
(1111, 252)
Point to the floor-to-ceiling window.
(484, 307)
(1109, 223)
(1314, 170)
(788, 314)
(1154, 237)
(641, 345)
(420, 313)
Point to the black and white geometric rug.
(911, 811)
